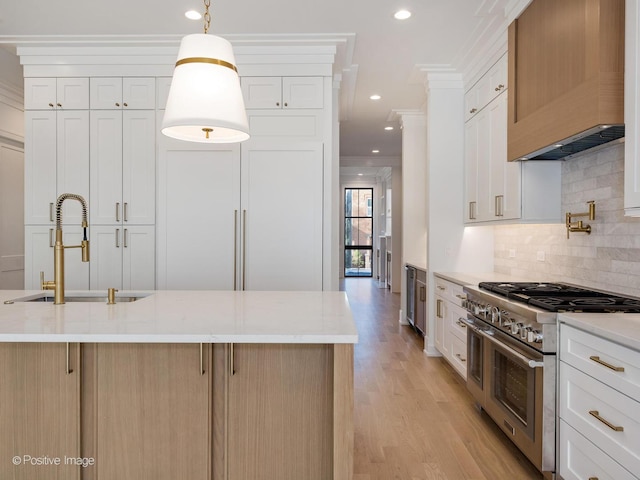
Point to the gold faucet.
(578, 226)
(57, 285)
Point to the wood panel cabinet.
(122, 257)
(152, 408)
(566, 71)
(282, 92)
(260, 204)
(39, 410)
(288, 413)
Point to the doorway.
(358, 232)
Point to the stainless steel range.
(511, 355)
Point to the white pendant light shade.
(205, 100)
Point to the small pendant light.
(205, 101)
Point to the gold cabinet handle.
(473, 110)
(596, 414)
(460, 323)
(596, 359)
(117, 211)
(126, 104)
(439, 308)
(117, 238)
(125, 212)
(59, 104)
(423, 294)
(460, 357)
(277, 104)
(244, 248)
(499, 87)
(117, 104)
(202, 372)
(125, 238)
(440, 287)
(593, 478)
(461, 297)
(69, 371)
(498, 205)
(51, 105)
(235, 249)
(472, 210)
(286, 104)
(232, 367)
(51, 211)
(51, 237)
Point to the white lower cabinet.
(38, 254)
(246, 218)
(122, 257)
(599, 428)
(451, 331)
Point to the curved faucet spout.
(73, 196)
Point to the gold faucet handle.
(48, 285)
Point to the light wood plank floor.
(414, 419)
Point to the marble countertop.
(473, 278)
(622, 328)
(181, 317)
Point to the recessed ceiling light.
(388, 128)
(375, 151)
(375, 97)
(402, 14)
(193, 15)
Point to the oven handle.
(531, 363)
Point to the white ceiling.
(441, 34)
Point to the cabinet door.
(40, 409)
(153, 411)
(138, 180)
(282, 209)
(72, 93)
(505, 176)
(39, 94)
(262, 92)
(40, 167)
(106, 93)
(302, 92)
(38, 253)
(280, 412)
(72, 154)
(139, 258)
(106, 257)
(198, 215)
(441, 326)
(485, 201)
(471, 171)
(106, 167)
(139, 93)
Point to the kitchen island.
(177, 384)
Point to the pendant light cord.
(207, 15)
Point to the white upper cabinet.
(56, 93)
(282, 92)
(632, 111)
(490, 85)
(131, 93)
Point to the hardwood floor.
(414, 419)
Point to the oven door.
(475, 360)
(514, 386)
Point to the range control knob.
(515, 328)
(495, 315)
(524, 332)
(534, 336)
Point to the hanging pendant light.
(205, 100)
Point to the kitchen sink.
(96, 298)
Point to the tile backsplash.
(608, 259)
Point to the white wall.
(607, 259)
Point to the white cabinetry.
(122, 257)
(282, 92)
(497, 190)
(123, 167)
(599, 387)
(56, 93)
(38, 257)
(451, 331)
(260, 205)
(129, 93)
(632, 110)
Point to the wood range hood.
(566, 78)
